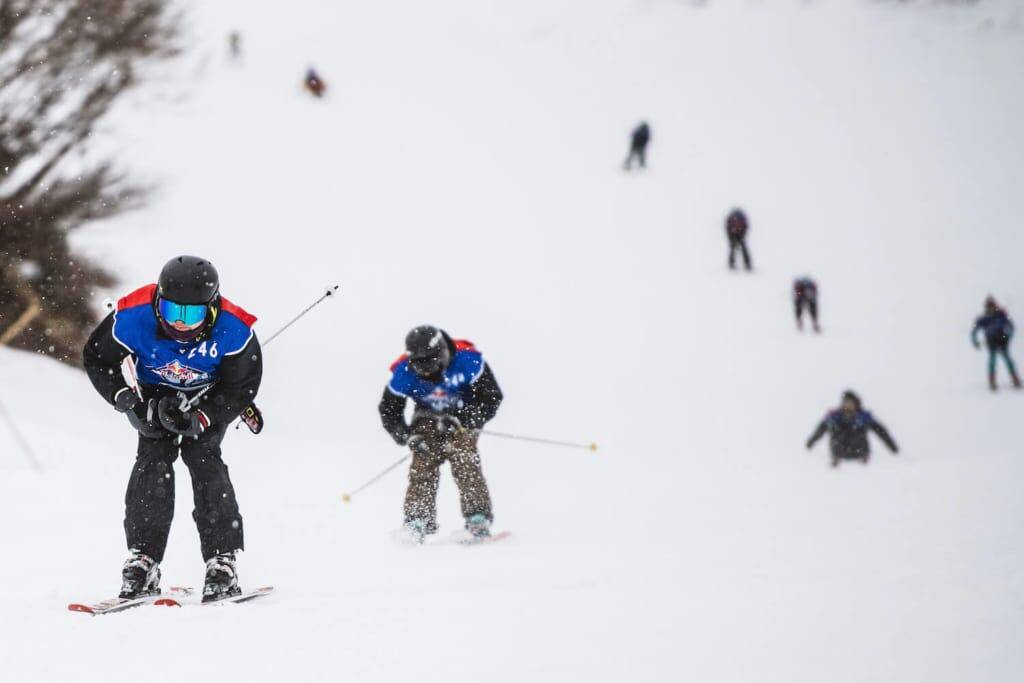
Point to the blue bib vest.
(441, 395)
(182, 365)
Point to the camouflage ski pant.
(460, 450)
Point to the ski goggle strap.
(189, 314)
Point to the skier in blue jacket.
(998, 330)
(848, 431)
(454, 394)
(164, 344)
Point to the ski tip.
(75, 607)
(167, 602)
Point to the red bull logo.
(176, 373)
(439, 399)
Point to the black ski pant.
(149, 502)
(737, 243)
(638, 153)
(811, 305)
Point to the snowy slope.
(464, 171)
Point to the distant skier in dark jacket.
(638, 146)
(998, 329)
(235, 45)
(455, 394)
(313, 83)
(805, 297)
(736, 228)
(848, 431)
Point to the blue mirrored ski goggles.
(189, 314)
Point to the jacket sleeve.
(883, 434)
(239, 381)
(102, 356)
(481, 401)
(818, 433)
(392, 416)
(974, 331)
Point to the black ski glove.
(419, 444)
(401, 434)
(125, 399)
(191, 423)
(147, 423)
(449, 425)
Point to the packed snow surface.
(464, 170)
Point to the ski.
(114, 605)
(480, 540)
(242, 597)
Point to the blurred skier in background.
(998, 329)
(313, 83)
(848, 431)
(639, 139)
(235, 45)
(454, 394)
(178, 336)
(736, 228)
(805, 297)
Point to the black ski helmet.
(188, 280)
(428, 350)
(851, 395)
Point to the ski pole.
(347, 497)
(26, 449)
(329, 292)
(533, 439)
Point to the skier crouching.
(182, 336)
(455, 394)
(848, 431)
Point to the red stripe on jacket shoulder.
(401, 359)
(237, 311)
(142, 295)
(464, 345)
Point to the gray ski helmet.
(428, 350)
(188, 280)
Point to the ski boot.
(221, 578)
(413, 532)
(478, 526)
(140, 576)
